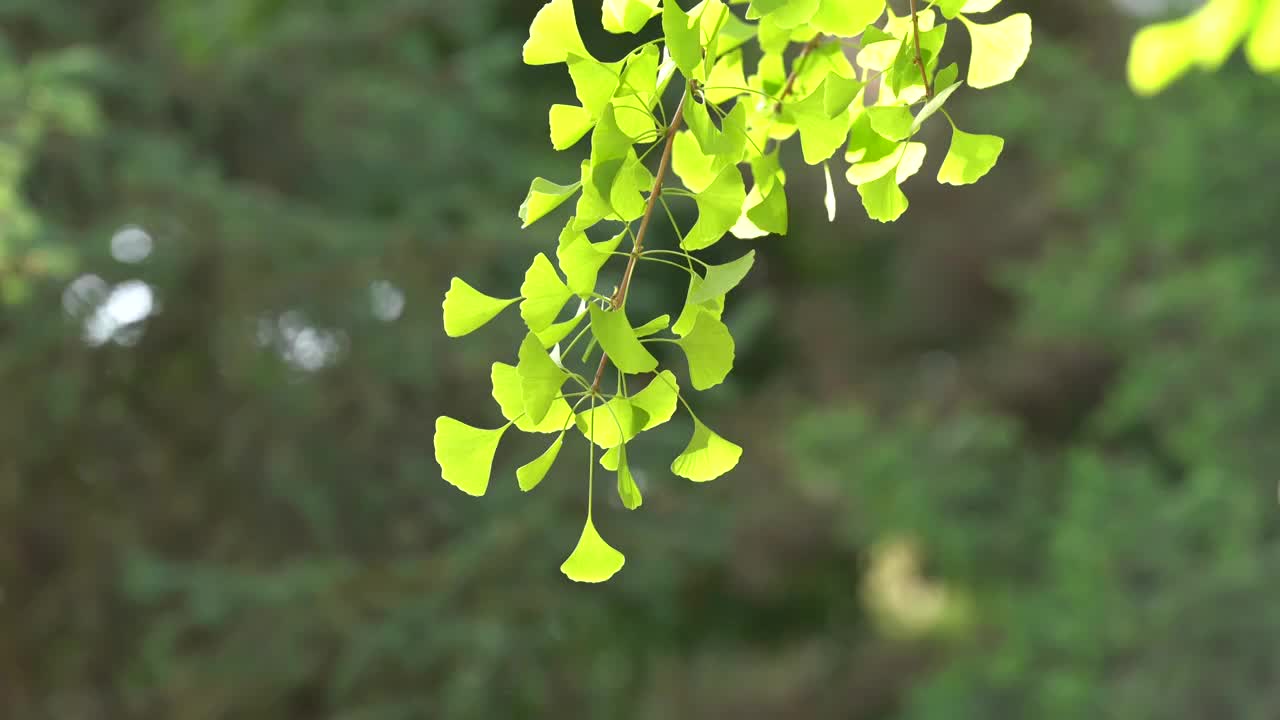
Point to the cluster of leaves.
(865, 80)
(1163, 52)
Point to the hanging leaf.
(553, 36)
(706, 457)
(540, 378)
(618, 338)
(532, 473)
(681, 36)
(628, 491)
(508, 392)
(969, 158)
(999, 49)
(544, 294)
(593, 560)
(657, 401)
(883, 199)
(466, 453)
(720, 279)
(628, 16)
(719, 207)
(709, 349)
(467, 309)
(544, 196)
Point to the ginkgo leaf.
(769, 214)
(466, 453)
(829, 197)
(1159, 55)
(553, 36)
(594, 82)
(695, 168)
(532, 472)
(932, 107)
(891, 121)
(618, 338)
(979, 6)
(718, 209)
(794, 13)
(655, 325)
(681, 36)
(467, 309)
(1263, 46)
(879, 55)
(558, 331)
(508, 392)
(904, 162)
(689, 313)
(999, 49)
(569, 124)
(709, 349)
(544, 294)
(580, 260)
(544, 196)
(949, 8)
(821, 134)
(846, 18)
(725, 78)
(720, 279)
(707, 456)
(883, 199)
(628, 491)
(612, 423)
(969, 158)
(638, 94)
(540, 378)
(593, 560)
(657, 401)
(628, 16)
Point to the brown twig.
(620, 295)
(924, 74)
(795, 70)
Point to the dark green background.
(1061, 385)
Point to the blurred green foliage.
(1061, 384)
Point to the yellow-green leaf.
(508, 392)
(627, 16)
(553, 36)
(544, 294)
(710, 350)
(614, 333)
(593, 560)
(540, 378)
(532, 472)
(466, 453)
(467, 309)
(707, 456)
(999, 49)
(969, 158)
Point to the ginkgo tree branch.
(915, 31)
(620, 295)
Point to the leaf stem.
(620, 295)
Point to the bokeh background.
(1011, 457)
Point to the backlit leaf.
(508, 392)
(720, 279)
(883, 199)
(618, 338)
(540, 378)
(467, 309)
(969, 158)
(846, 18)
(999, 49)
(593, 560)
(628, 491)
(707, 456)
(681, 34)
(709, 348)
(544, 196)
(553, 35)
(657, 402)
(719, 206)
(532, 472)
(627, 16)
(466, 453)
(544, 294)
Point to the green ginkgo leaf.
(544, 294)
(580, 259)
(932, 107)
(725, 78)
(846, 18)
(1263, 46)
(594, 82)
(883, 199)
(689, 313)
(975, 7)
(794, 13)
(681, 36)
(719, 207)
(656, 325)
(467, 309)
(569, 124)
(720, 279)
(999, 49)
(905, 161)
(553, 36)
(656, 404)
(558, 331)
(544, 196)
(769, 214)
(706, 457)
(540, 378)
(628, 491)
(508, 392)
(532, 472)
(821, 133)
(614, 333)
(1160, 54)
(949, 8)
(709, 348)
(612, 424)
(628, 16)
(466, 453)
(969, 158)
(593, 560)
(891, 121)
